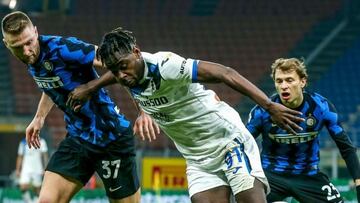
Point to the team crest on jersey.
(310, 121)
(48, 65)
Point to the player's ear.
(5, 43)
(303, 82)
(137, 51)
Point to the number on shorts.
(329, 188)
(229, 158)
(106, 167)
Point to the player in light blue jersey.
(99, 138)
(221, 155)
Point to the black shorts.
(78, 159)
(304, 188)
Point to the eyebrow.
(20, 44)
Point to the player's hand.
(33, 133)
(78, 97)
(145, 127)
(285, 118)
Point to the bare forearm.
(44, 106)
(105, 80)
(214, 73)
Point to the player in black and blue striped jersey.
(99, 138)
(291, 162)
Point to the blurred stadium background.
(245, 35)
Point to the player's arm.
(33, 130)
(83, 92)
(215, 73)
(343, 142)
(144, 125)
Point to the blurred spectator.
(30, 164)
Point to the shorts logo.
(114, 189)
(48, 65)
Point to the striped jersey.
(295, 154)
(64, 64)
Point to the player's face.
(289, 86)
(130, 69)
(24, 46)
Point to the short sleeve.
(175, 67)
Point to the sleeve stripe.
(195, 71)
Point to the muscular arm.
(44, 107)
(214, 73)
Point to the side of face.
(129, 70)
(24, 46)
(289, 86)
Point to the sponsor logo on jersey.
(293, 139)
(49, 82)
(153, 101)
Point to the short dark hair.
(116, 43)
(15, 22)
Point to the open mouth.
(285, 95)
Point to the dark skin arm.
(144, 126)
(284, 117)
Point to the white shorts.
(239, 167)
(30, 178)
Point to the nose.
(119, 74)
(27, 50)
(283, 85)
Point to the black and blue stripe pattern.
(64, 64)
(295, 154)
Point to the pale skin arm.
(33, 129)
(284, 117)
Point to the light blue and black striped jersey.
(64, 64)
(298, 154)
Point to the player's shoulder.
(318, 99)
(160, 58)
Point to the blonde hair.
(289, 64)
(15, 22)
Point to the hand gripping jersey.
(199, 124)
(64, 64)
(299, 154)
